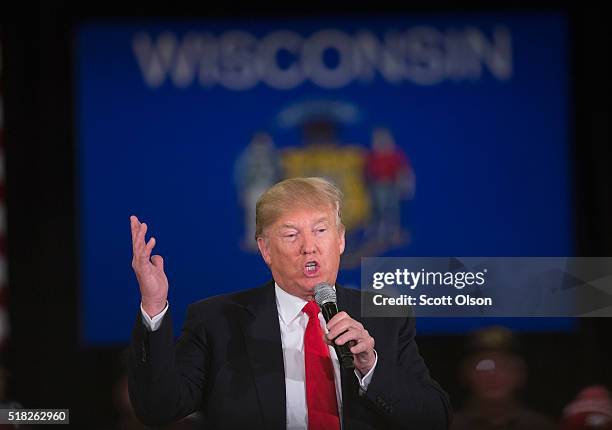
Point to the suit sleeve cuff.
(152, 324)
(365, 380)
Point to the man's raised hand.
(149, 270)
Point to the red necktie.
(320, 386)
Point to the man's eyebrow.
(287, 225)
(317, 221)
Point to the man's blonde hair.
(315, 193)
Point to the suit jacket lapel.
(264, 348)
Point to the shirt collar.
(288, 305)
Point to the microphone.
(325, 296)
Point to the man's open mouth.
(311, 268)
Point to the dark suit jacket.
(228, 363)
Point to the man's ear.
(262, 244)
(342, 241)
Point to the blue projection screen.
(447, 134)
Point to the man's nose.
(308, 244)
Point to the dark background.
(49, 369)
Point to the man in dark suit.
(262, 358)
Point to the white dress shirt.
(292, 323)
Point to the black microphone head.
(324, 293)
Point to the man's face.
(303, 249)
